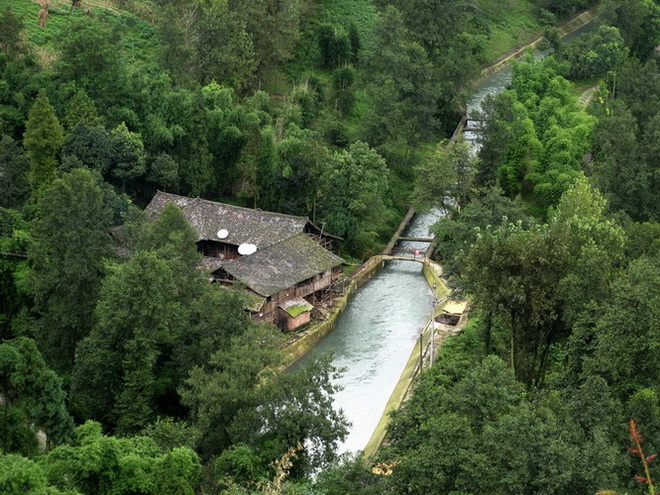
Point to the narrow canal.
(375, 335)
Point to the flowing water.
(375, 335)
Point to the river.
(375, 335)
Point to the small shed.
(452, 312)
(294, 313)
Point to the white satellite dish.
(223, 233)
(246, 249)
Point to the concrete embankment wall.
(413, 366)
(517, 53)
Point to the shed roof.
(282, 265)
(454, 307)
(244, 225)
(294, 307)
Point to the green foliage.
(14, 239)
(638, 21)
(80, 109)
(143, 309)
(42, 140)
(455, 235)
(241, 464)
(164, 172)
(14, 168)
(11, 29)
(95, 463)
(445, 178)
(625, 353)
(22, 476)
(564, 7)
(71, 243)
(90, 147)
(334, 46)
(536, 136)
(238, 398)
(90, 57)
(128, 154)
(235, 43)
(402, 89)
(538, 278)
(343, 80)
(625, 146)
(353, 192)
(33, 399)
(594, 54)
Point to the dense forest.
(123, 371)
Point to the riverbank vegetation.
(121, 367)
(557, 248)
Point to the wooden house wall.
(303, 289)
(220, 250)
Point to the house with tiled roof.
(282, 260)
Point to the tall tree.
(403, 88)
(14, 169)
(90, 57)
(80, 109)
(534, 277)
(33, 399)
(446, 177)
(42, 140)
(638, 21)
(11, 28)
(143, 309)
(95, 463)
(352, 201)
(71, 243)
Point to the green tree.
(353, 193)
(89, 146)
(80, 109)
(625, 354)
(33, 399)
(301, 160)
(14, 239)
(71, 242)
(95, 463)
(164, 172)
(129, 158)
(455, 235)
(11, 29)
(536, 136)
(42, 140)
(237, 397)
(343, 80)
(639, 24)
(403, 89)
(14, 168)
(22, 476)
(136, 326)
(538, 278)
(596, 54)
(89, 56)
(334, 46)
(445, 178)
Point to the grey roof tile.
(282, 265)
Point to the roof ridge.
(274, 213)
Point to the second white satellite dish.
(246, 249)
(222, 233)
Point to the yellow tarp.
(454, 307)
